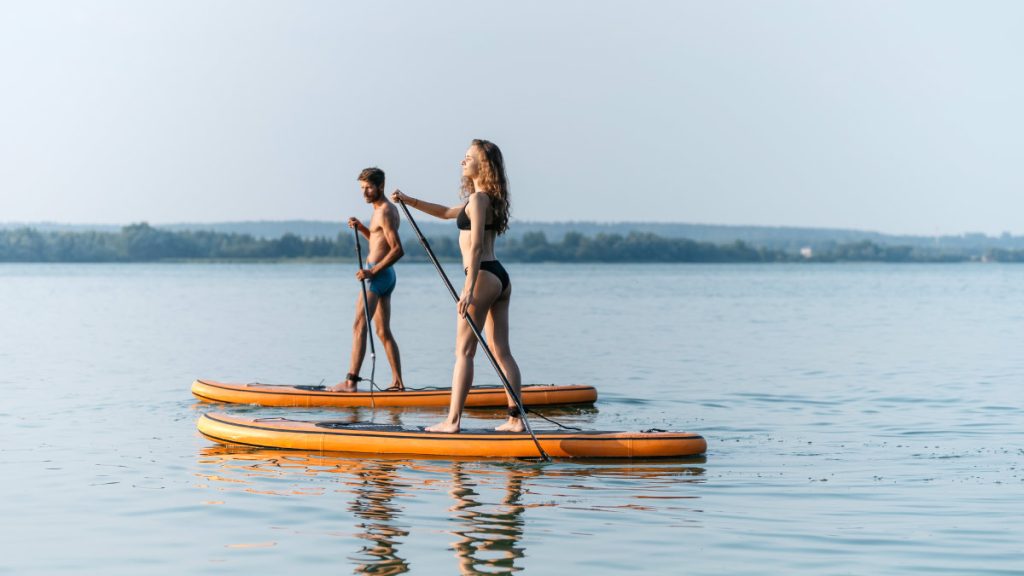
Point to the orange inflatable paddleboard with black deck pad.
(309, 396)
(334, 436)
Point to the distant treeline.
(144, 243)
(787, 239)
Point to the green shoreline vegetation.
(144, 243)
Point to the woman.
(488, 291)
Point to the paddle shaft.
(476, 332)
(366, 313)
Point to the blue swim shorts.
(383, 283)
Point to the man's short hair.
(372, 175)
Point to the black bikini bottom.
(495, 267)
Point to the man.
(385, 248)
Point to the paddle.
(476, 332)
(366, 314)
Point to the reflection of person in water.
(373, 505)
(488, 534)
(366, 415)
(487, 520)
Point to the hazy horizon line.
(157, 224)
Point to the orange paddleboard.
(330, 436)
(479, 396)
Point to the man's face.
(371, 193)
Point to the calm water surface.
(861, 419)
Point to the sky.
(903, 117)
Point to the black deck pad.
(371, 427)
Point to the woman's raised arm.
(435, 210)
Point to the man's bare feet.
(446, 427)
(512, 425)
(349, 385)
(395, 387)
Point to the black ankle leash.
(514, 412)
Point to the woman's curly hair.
(495, 183)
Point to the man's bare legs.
(358, 341)
(487, 290)
(383, 321)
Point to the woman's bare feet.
(512, 425)
(446, 427)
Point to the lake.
(861, 419)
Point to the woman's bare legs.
(485, 293)
(497, 337)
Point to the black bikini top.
(462, 221)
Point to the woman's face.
(471, 163)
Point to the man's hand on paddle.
(354, 222)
